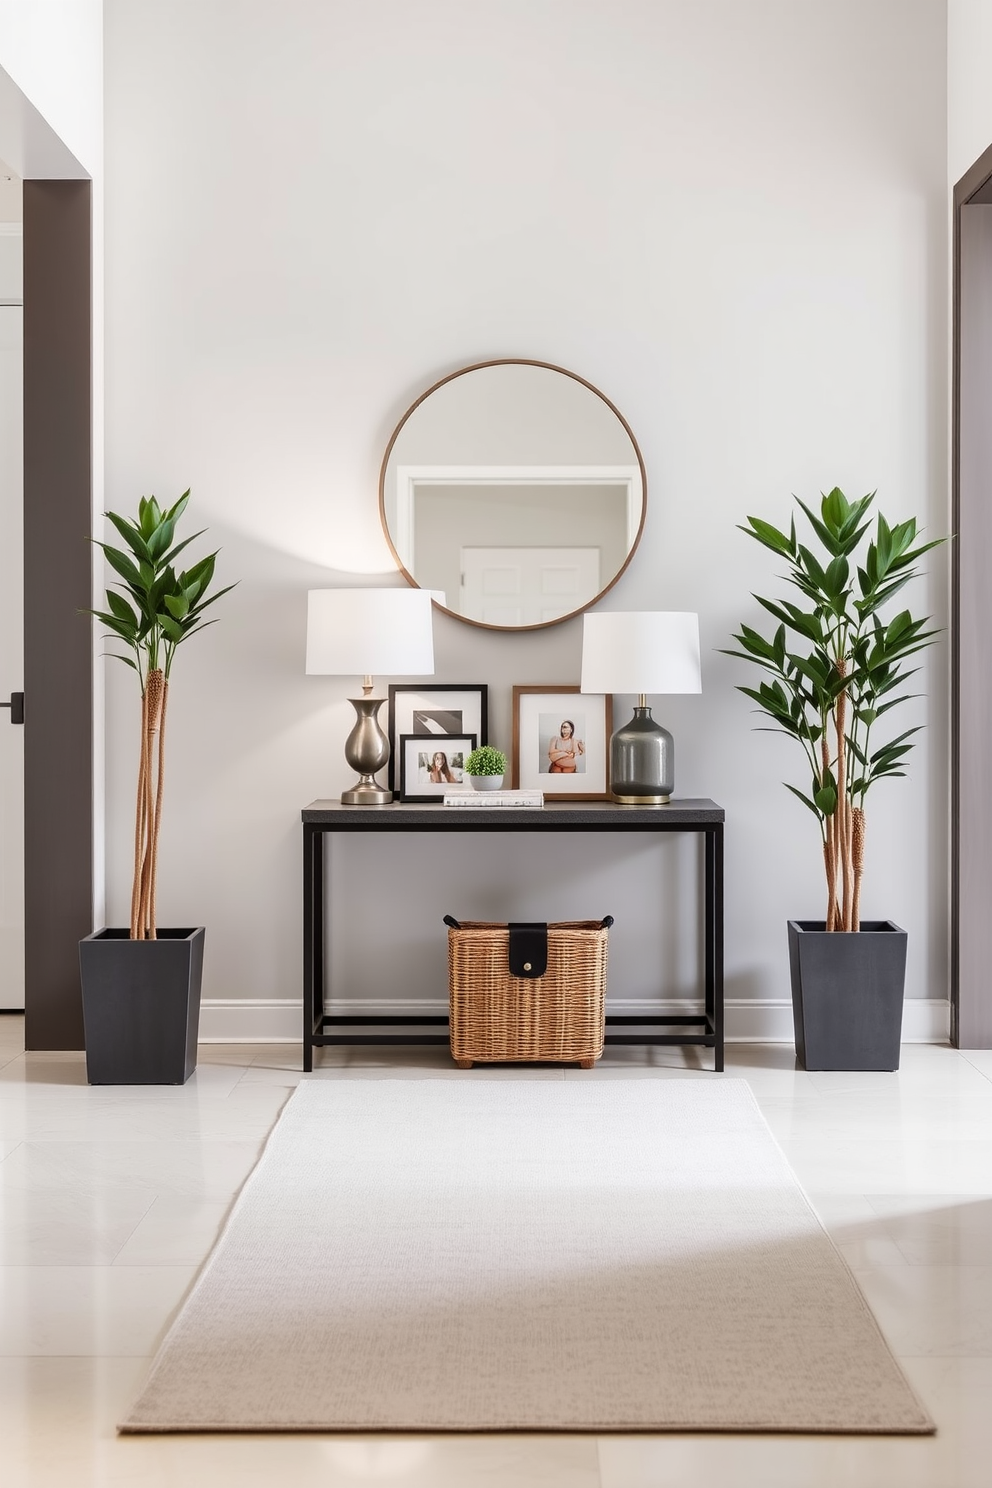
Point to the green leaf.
(806, 801)
(767, 701)
(815, 667)
(857, 751)
(149, 515)
(836, 510)
(122, 564)
(160, 539)
(823, 531)
(812, 567)
(176, 511)
(770, 536)
(131, 535)
(123, 631)
(880, 596)
(121, 608)
(173, 552)
(201, 573)
(917, 553)
(806, 623)
(897, 740)
(215, 597)
(902, 623)
(883, 542)
(894, 703)
(825, 800)
(902, 535)
(177, 606)
(171, 628)
(836, 577)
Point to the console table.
(320, 817)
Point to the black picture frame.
(413, 787)
(407, 699)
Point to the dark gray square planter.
(847, 993)
(141, 1006)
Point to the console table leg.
(713, 939)
(313, 939)
(718, 1024)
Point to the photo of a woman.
(440, 770)
(565, 757)
(565, 751)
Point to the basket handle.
(605, 924)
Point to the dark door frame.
(971, 618)
(58, 659)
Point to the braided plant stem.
(829, 841)
(151, 719)
(159, 782)
(858, 856)
(843, 805)
(140, 823)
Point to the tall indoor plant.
(834, 669)
(133, 997)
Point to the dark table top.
(683, 812)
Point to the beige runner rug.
(478, 1254)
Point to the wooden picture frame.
(579, 768)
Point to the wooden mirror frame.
(513, 362)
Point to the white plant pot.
(486, 782)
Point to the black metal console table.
(701, 816)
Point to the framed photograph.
(455, 709)
(429, 766)
(561, 743)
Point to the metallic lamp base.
(366, 749)
(642, 761)
(366, 795)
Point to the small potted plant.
(833, 671)
(141, 984)
(485, 767)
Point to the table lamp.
(359, 632)
(641, 652)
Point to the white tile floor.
(111, 1197)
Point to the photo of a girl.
(439, 770)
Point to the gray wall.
(353, 201)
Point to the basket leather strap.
(528, 948)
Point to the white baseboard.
(231, 1020)
(279, 1021)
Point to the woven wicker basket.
(558, 1016)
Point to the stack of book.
(496, 798)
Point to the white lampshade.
(361, 632)
(642, 651)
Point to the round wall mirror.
(515, 491)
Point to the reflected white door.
(11, 657)
(526, 586)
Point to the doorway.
(57, 508)
(11, 595)
(971, 610)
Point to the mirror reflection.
(514, 490)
